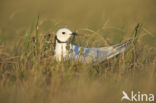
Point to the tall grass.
(30, 74)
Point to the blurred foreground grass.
(29, 73)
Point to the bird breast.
(60, 51)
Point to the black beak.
(74, 33)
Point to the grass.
(30, 74)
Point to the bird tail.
(118, 48)
(123, 45)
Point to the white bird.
(88, 55)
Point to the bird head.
(63, 35)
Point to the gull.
(83, 54)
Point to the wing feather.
(97, 54)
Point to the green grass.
(30, 74)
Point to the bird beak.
(74, 34)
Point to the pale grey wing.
(113, 50)
(89, 55)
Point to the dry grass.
(29, 73)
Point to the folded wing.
(89, 55)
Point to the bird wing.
(88, 55)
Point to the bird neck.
(60, 50)
(59, 41)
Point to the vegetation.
(30, 74)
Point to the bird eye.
(63, 33)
